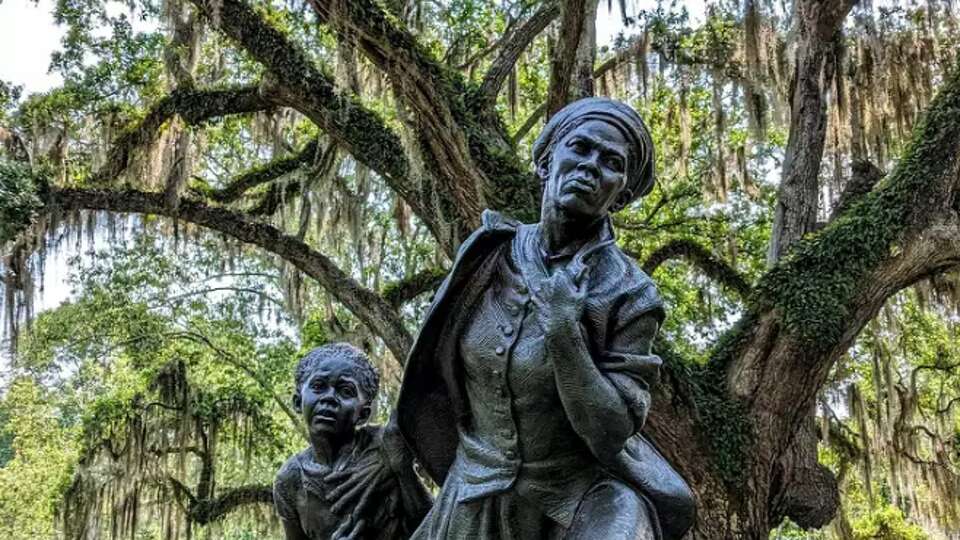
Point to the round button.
(522, 289)
(500, 350)
(513, 310)
(507, 330)
(511, 454)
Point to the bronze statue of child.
(355, 481)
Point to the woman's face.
(587, 170)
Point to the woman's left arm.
(594, 405)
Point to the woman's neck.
(561, 231)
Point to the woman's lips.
(579, 184)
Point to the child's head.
(335, 386)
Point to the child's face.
(331, 401)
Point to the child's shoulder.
(369, 435)
(287, 484)
(366, 445)
(289, 473)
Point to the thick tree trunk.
(818, 26)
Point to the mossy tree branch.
(194, 106)
(205, 511)
(808, 310)
(700, 257)
(432, 91)
(368, 306)
(295, 81)
(264, 174)
(413, 286)
(461, 138)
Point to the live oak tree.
(429, 113)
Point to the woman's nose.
(589, 162)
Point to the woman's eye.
(578, 146)
(347, 391)
(615, 163)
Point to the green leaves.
(43, 453)
(887, 523)
(19, 199)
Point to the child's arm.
(285, 488)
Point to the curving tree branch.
(263, 175)
(413, 286)
(204, 511)
(295, 81)
(369, 307)
(700, 257)
(433, 93)
(194, 106)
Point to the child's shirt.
(299, 490)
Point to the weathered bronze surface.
(352, 482)
(526, 391)
(528, 385)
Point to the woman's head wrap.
(640, 161)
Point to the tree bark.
(818, 27)
(513, 46)
(575, 24)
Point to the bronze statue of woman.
(528, 385)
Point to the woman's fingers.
(357, 530)
(356, 491)
(339, 476)
(349, 485)
(345, 525)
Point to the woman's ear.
(543, 169)
(297, 402)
